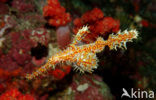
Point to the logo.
(137, 93)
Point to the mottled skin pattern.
(83, 57)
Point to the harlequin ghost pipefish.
(83, 56)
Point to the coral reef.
(74, 49)
(99, 25)
(19, 53)
(60, 72)
(56, 14)
(14, 94)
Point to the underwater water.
(77, 49)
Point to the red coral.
(6, 77)
(2, 88)
(20, 49)
(10, 94)
(94, 15)
(59, 73)
(7, 74)
(14, 94)
(98, 24)
(6, 62)
(19, 53)
(106, 25)
(56, 14)
(26, 97)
